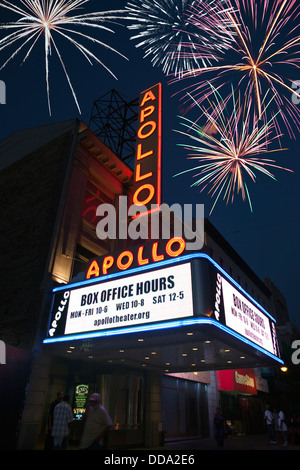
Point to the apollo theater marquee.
(158, 295)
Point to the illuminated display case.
(189, 290)
(80, 400)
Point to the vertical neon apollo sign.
(147, 172)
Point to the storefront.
(242, 397)
(122, 393)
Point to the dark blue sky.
(267, 238)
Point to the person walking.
(219, 427)
(269, 420)
(97, 423)
(49, 438)
(62, 418)
(282, 426)
(275, 417)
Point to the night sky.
(266, 239)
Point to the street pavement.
(245, 442)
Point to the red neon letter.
(151, 190)
(107, 263)
(146, 112)
(148, 96)
(141, 155)
(138, 176)
(144, 136)
(129, 262)
(181, 248)
(155, 256)
(93, 270)
(142, 261)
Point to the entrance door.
(184, 408)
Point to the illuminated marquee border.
(165, 324)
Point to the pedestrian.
(219, 427)
(276, 429)
(62, 419)
(269, 420)
(49, 438)
(282, 426)
(294, 429)
(97, 423)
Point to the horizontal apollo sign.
(136, 256)
(147, 172)
(149, 297)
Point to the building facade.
(53, 178)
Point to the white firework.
(41, 19)
(180, 35)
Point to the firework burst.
(263, 57)
(38, 19)
(228, 147)
(178, 35)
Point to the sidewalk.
(249, 442)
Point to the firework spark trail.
(45, 17)
(177, 34)
(228, 147)
(263, 51)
